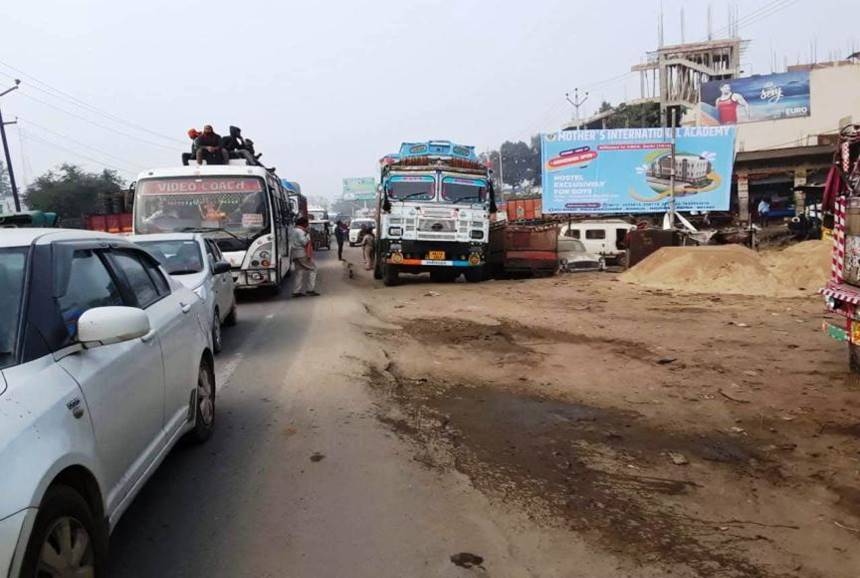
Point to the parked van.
(604, 238)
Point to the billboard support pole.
(672, 173)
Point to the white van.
(604, 238)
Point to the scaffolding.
(673, 75)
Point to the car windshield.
(411, 188)
(571, 245)
(179, 257)
(237, 205)
(12, 265)
(457, 190)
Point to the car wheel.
(204, 420)
(230, 320)
(66, 539)
(216, 332)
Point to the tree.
(642, 115)
(72, 192)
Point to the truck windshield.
(457, 190)
(412, 188)
(12, 264)
(236, 204)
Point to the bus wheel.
(390, 275)
(476, 274)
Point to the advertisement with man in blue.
(628, 171)
(756, 98)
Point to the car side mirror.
(106, 325)
(221, 267)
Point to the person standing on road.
(341, 232)
(368, 247)
(301, 254)
(763, 211)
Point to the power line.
(85, 145)
(758, 14)
(99, 162)
(112, 130)
(57, 93)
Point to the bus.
(243, 208)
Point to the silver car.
(573, 256)
(197, 263)
(105, 363)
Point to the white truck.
(433, 213)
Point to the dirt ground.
(690, 434)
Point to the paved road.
(251, 502)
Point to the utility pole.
(6, 150)
(576, 102)
(672, 173)
(501, 173)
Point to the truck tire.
(854, 358)
(476, 274)
(390, 275)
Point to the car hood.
(575, 257)
(191, 280)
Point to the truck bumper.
(427, 255)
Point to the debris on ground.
(678, 459)
(467, 560)
(317, 457)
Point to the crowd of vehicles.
(106, 362)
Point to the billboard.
(627, 171)
(756, 98)
(359, 189)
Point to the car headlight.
(395, 231)
(201, 292)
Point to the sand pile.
(802, 268)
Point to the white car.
(355, 228)
(199, 265)
(105, 363)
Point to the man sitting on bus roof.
(237, 147)
(209, 148)
(193, 133)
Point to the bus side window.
(573, 233)
(595, 234)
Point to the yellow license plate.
(436, 255)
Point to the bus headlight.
(395, 231)
(397, 258)
(262, 254)
(477, 234)
(474, 259)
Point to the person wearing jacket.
(209, 148)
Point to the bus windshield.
(457, 190)
(412, 188)
(238, 205)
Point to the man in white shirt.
(763, 211)
(304, 267)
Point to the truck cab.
(433, 212)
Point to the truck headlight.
(477, 234)
(395, 231)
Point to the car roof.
(185, 236)
(32, 236)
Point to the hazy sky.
(326, 88)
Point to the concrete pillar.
(743, 197)
(799, 196)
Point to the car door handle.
(185, 307)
